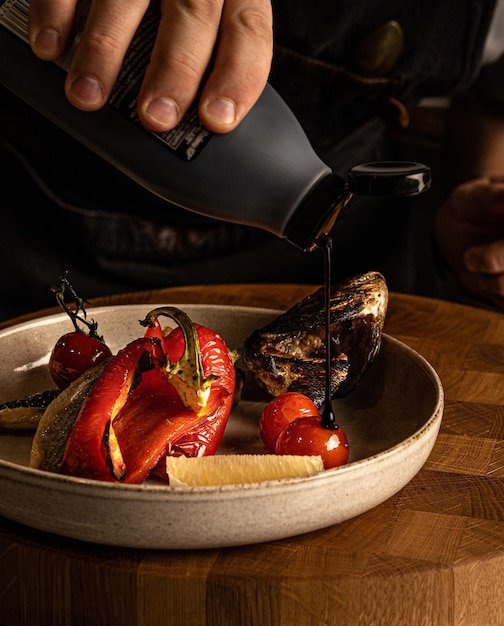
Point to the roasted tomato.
(280, 412)
(306, 435)
(77, 351)
(73, 354)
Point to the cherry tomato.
(280, 412)
(73, 354)
(307, 436)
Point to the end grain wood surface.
(431, 555)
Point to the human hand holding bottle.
(469, 230)
(237, 32)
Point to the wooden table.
(433, 554)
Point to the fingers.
(185, 50)
(470, 232)
(219, 48)
(242, 64)
(485, 287)
(478, 200)
(109, 29)
(484, 271)
(487, 259)
(182, 52)
(49, 26)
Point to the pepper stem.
(186, 375)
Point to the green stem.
(186, 374)
(59, 289)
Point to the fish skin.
(25, 414)
(50, 438)
(288, 354)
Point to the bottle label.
(187, 139)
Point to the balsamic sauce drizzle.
(328, 419)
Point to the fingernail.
(47, 42)
(222, 110)
(87, 90)
(163, 111)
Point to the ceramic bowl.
(392, 420)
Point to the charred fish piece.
(289, 353)
(25, 414)
(49, 441)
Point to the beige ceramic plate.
(392, 421)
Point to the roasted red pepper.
(91, 449)
(213, 370)
(176, 401)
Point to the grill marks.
(289, 353)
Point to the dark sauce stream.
(328, 419)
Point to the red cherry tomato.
(73, 354)
(307, 436)
(280, 412)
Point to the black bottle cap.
(389, 178)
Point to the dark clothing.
(63, 208)
(443, 43)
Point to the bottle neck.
(318, 212)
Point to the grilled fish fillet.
(289, 353)
(25, 414)
(50, 439)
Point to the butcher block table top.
(432, 554)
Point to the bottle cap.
(319, 211)
(389, 178)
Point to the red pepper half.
(205, 384)
(180, 405)
(91, 450)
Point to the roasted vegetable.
(79, 350)
(161, 395)
(91, 449)
(289, 353)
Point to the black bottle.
(264, 173)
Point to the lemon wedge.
(234, 469)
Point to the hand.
(469, 229)
(240, 31)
